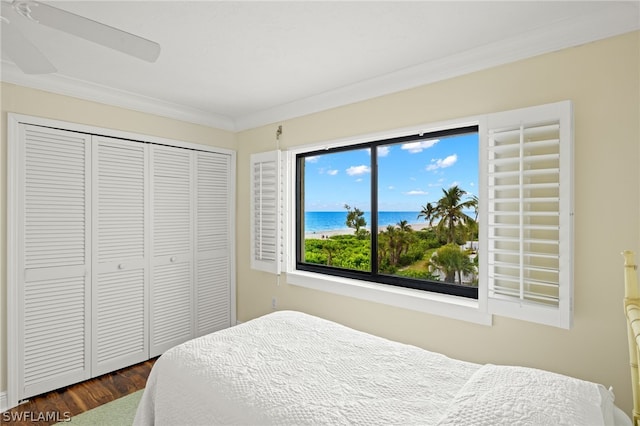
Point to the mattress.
(293, 368)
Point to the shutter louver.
(265, 211)
(529, 214)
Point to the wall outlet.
(274, 302)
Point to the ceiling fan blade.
(91, 30)
(24, 54)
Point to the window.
(419, 192)
(521, 251)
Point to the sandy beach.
(346, 231)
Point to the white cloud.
(383, 151)
(358, 170)
(416, 192)
(391, 188)
(419, 146)
(442, 163)
(312, 159)
(332, 172)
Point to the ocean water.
(332, 221)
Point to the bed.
(292, 368)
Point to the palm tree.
(466, 266)
(474, 199)
(428, 212)
(449, 212)
(404, 226)
(405, 236)
(452, 261)
(445, 259)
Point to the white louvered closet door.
(213, 242)
(171, 301)
(120, 254)
(54, 259)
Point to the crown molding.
(67, 86)
(560, 35)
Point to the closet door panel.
(53, 289)
(171, 315)
(213, 242)
(212, 295)
(172, 230)
(120, 255)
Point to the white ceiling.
(238, 64)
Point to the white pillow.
(505, 395)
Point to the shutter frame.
(529, 220)
(266, 200)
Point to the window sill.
(459, 308)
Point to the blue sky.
(410, 175)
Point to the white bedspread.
(293, 368)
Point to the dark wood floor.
(59, 405)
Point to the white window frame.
(478, 311)
(445, 305)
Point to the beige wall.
(43, 104)
(602, 80)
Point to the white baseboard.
(3, 402)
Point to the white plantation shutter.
(265, 207)
(171, 301)
(54, 268)
(214, 196)
(120, 260)
(529, 218)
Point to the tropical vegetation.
(433, 253)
